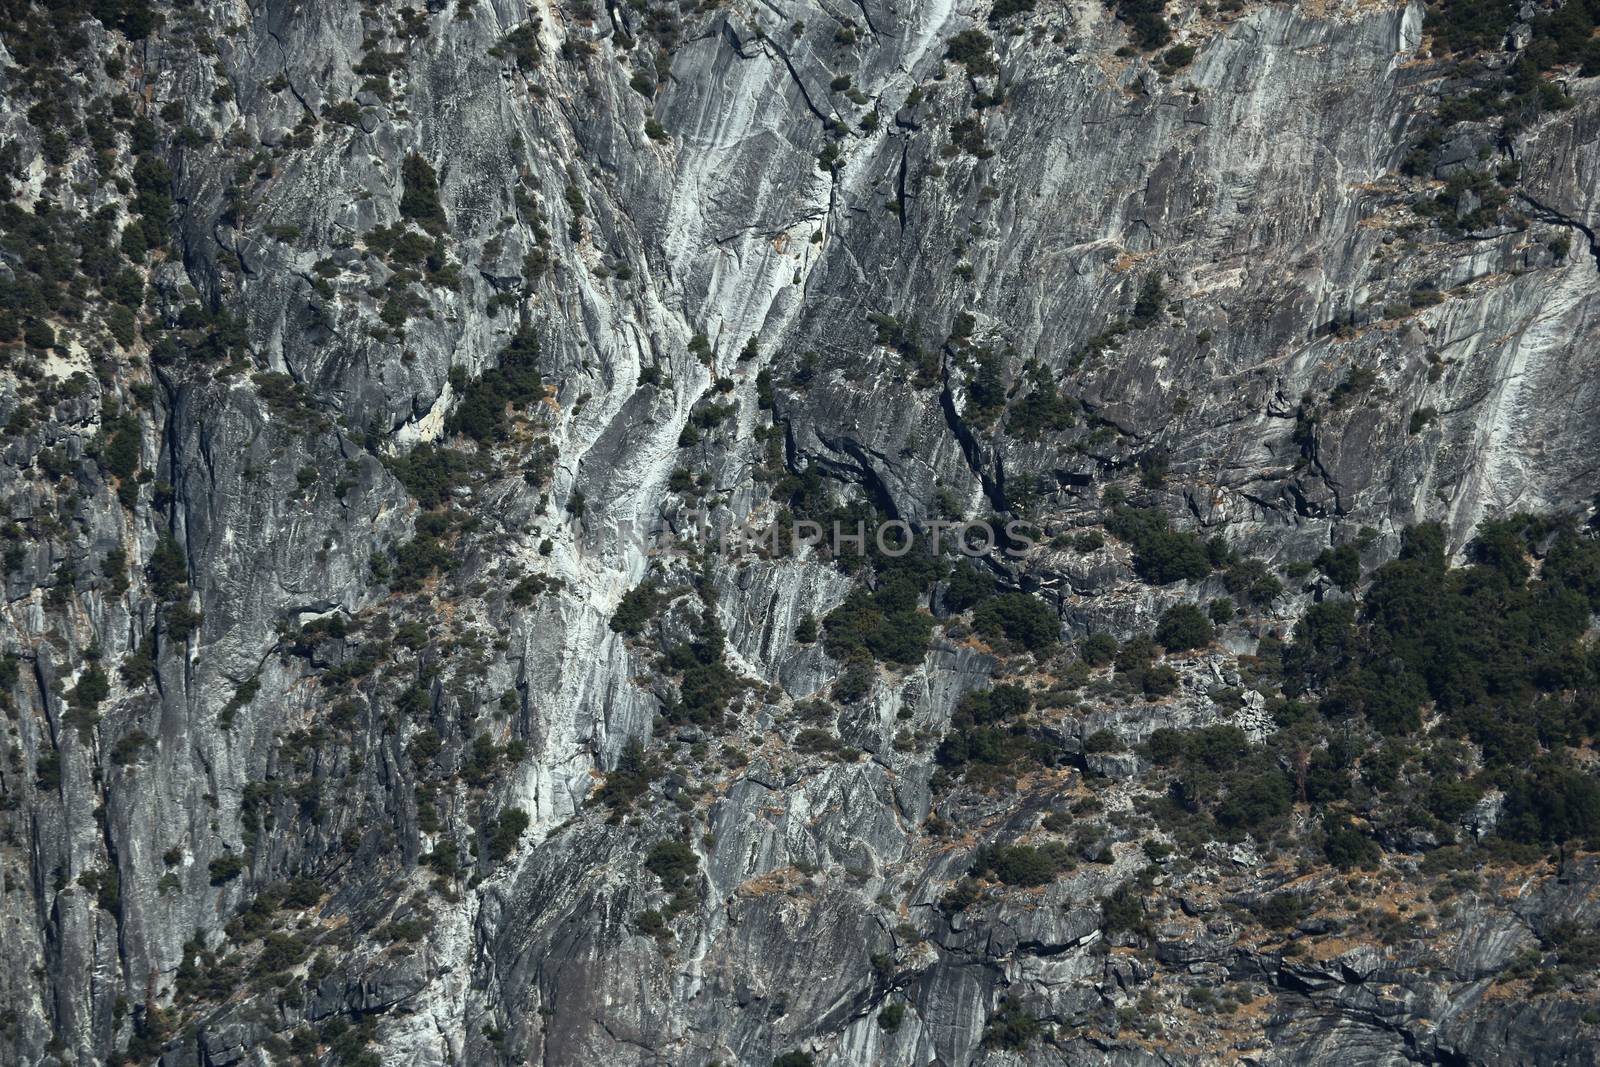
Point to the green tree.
(419, 197)
(1018, 617)
(1184, 626)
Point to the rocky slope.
(354, 353)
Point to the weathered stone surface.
(1258, 181)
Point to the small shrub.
(225, 869)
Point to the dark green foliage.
(980, 730)
(1469, 25)
(1160, 555)
(122, 449)
(675, 863)
(1220, 775)
(1011, 1027)
(301, 892)
(288, 400)
(515, 383)
(1470, 201)
(1018, 617)
(631, 779)
(226, 868)
(1482, 641)
(204, 335)
(986, 390)
(1342, 565)
(417, 560)
(168, 568)
(1253, 800)
(431, 473)
(966, 587)
(1004, 9)
(1552, 803)
(92, 689)
(578, 206)
(521, 45)
(1280, 911)
(806, 631)
(1139, 652)
(855, 683)
(1563, 36)
(1345, 846)
(134, 18)
(1159, 681)
(974, 50)
(1183, 626)
(891, 1017)
(705, 416)
(106, 886)
(705, 682)
(1098, 650)
(1023, 865)
(423, 748)
(1102, 741)
(419, 198)
(1043, 409)
(47, 772)
(652, 923)
(1146, 19)
(279, 952)
(902, 336)
(129, 747)
(139, 666)
(794, 1059)
(814, 740)
(500, 836)
(884, 623)
(1123, 910)
(1152, 300)
(1251, 581)
(1356, 383)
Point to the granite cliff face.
(350, 722)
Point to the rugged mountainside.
(348, 350)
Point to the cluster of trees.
(1161, 555)
(432, 473)
(1019, 617)
(417, 560)
(514, 383)
(1146, 21)
(678, 868)
(985, 733)
(1219, 774)
(706, 683)
(1562, 35)
(638, 606)
(886, 621)
(1494, 649)
(1043, 409)
(419, 195)
(1025, 865)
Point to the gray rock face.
(692, 208)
